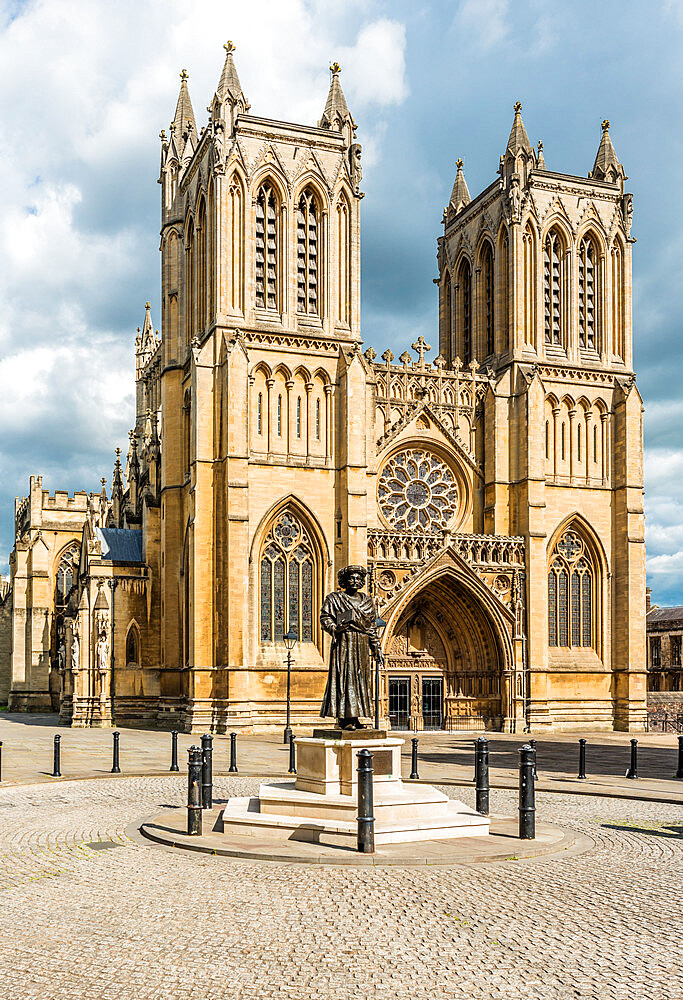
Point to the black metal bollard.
(233, 754)
(633, 767)
(207, 771)
(413, 761)
(116, 762)
(174, 751)
(582, 760)
(679, 772)
(482, 789)
(532, 744)
(527, 794)
(366, 819)
(194, 792)
(56, 773)
(292, 755)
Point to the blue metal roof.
(121, 544)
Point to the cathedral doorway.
(443, 666)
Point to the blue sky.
(88, 85)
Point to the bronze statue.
(349, 616)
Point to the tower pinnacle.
(336, 114)
(519, 140)
(607, 166)
(460, 195)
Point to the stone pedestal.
(321, 804)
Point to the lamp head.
(290, 638)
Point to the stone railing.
(478, 550)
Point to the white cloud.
(87, 85)
(484, 23)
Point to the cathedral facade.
(495, 494)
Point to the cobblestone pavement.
(86, 921)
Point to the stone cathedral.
(495, 493)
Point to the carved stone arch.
(133, 644)
(263, 367)
(562, 226)
(311, 180)
(303, 372)
(283, 370)
(593, 229)
(271, 174)
(304, 512)
(485, 236)
(321, 374)
(552, 400)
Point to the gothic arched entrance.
(445, 662)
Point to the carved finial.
(147, 305)
(371, 354)
(458, 163)
(540, 146)
(131, 435)
(421, 347)
(229, 46)
(388, 357)
(118, 454)
(605, 125)
(335, 69)
(184, 75)
(518, 107)
(162, 134)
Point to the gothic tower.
(263, 392)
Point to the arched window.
(201, 265)
(529, 291)
(317, 419)
(288, 581)
(307, 262)
(235, 246)
(279, 416)
(344, 262)
(503, 273)
(132, 646)
(571, 590)
(617, 302)
(553, 287)
(190, 286)
(465, 293)
(259, 414)
(547, 439)
(487, 273)
(267, 263)
(588, 293)
(298, 416)
(65, 579)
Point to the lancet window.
(617, 302)
(487, 270)
(465, 290)
(288, 579)
(553, 290)
(588, 275)
(267, 291)
(65, 576)
(307, 246)
(571, 593)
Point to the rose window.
(417, 491)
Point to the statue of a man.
(349, 616)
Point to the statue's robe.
(351, 623)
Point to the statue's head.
(352, 577)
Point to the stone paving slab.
(140, 922)
(170, 828)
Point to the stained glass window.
(466, 310)
(417, 491)
(487, 262)
(259, 414)
(298, 416)
(317, 419)
(279, 416)
(287, 581)
(570, 593)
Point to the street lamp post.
(290, 638)
(380, 625)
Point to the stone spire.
(607, 166)
(183, 126)
(519, 140)
(117, 492)
(540, 158)
(460, 195)
(336, 114)
(229, 86)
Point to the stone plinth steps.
(320, 806)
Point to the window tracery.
(287, 581)
(417, 491)
(571, 591)
(487, 264)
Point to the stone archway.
(444, 662)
